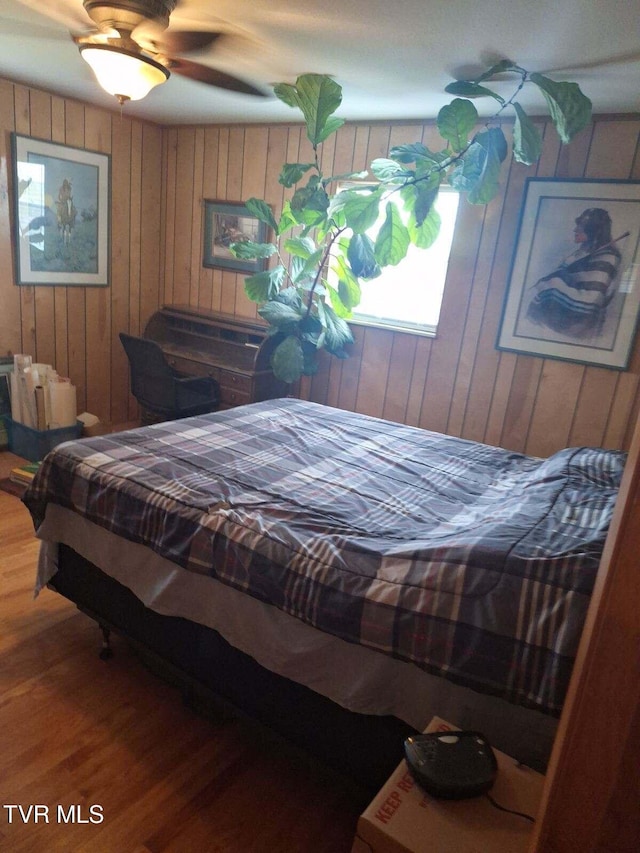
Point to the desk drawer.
(235, 389)
(191, 367)
(235, 382)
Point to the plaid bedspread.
(472, 562)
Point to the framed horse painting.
(61, 214)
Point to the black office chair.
(161, 391)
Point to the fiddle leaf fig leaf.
(493, 150)
(527, 141)
(287, 359)
(246, 249)
(348, 288)
(456, 121)
(310, 355)
(263, 286)
(470, 89)
(292, 172)
(318, 97)
(385, 169)
(411, 153)
(290, 296)
(360, 209)
(332, 124)
(261, 210)
(424, 234)
(477, 173)
(338, 305)
(350, 293)
(361, 257)
(302, 247)
(337, 331)
(305, 268)
(278, 313)
(569, 108)
(419, 198)
(309, 205)
(393, 240)
(287, 220)
(494, 139)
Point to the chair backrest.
(152, 378)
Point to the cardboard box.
(402, 818)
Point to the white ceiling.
(392, 59)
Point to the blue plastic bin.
(34, 444)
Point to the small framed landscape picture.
(574, 287)
(226, 223)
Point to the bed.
(338, 577)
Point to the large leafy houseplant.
(324, 254)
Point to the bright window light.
(408, 296)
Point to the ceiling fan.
(131, 50)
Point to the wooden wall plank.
(76, 296)
(522, 398)
(28, 344)
(169, 233)
(40, 106)
(10, 315)
(401, 359)
(197, 215)
(233, 193)
(61, 331)
(98, 137)
(372, 384)
(209, 191)
(591, 413)
(184, 191)
(121, 216)
(152, 271)
(555, 404)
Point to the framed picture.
(61, 213)
(226, 223)
(574, 287)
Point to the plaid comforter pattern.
(470, 561)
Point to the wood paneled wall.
(76, 328)
(456, 382)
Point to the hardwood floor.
(77, 731)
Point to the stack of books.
(24, 474)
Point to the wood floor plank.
(78, 731)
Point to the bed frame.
(206, 668)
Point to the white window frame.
(404, 325)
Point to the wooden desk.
(233, 351)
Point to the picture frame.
(574, 287)
(61, 213)
(225, 223)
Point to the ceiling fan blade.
(69, 13)
(184, 41)
(212, 77)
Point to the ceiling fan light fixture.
(127, 75)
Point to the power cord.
(511, 811)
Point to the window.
(408, 296)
